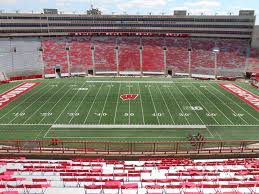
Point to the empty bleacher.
(177, 55)
(202, 57)
(20, 57)
(55, 55)
(232, 57)
(153, 54)
(80, 56)
(148, 175)
(104, 54)
(129, 54)
(253, 62)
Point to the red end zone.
(243, 94)
(15, 92)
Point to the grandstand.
(141, 98)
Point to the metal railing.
(129, 148)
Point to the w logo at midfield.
(129, 96)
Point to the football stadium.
(149, 104)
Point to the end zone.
(15, 92)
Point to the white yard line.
(22, 102)
(141, 105)
(129, 107)
(92, 103)
(78, 107)
(118, 97)
(61, 126)
(154, 106)
(105, 104)
(216, 106)
(69, 102)
(226, 104)
(143, 82)
(201, 103)
(178, 105)
(168, 110)
(236, 104)
(56, 103)
(43, 105)
(189, 104)
(32, 103)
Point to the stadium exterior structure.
(52, 44)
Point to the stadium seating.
(80, 54)
(20, 57)
(153, 55)
(148, 175)
(129, 54)
(253, 62)
(104, 53)
(55, 54)
(232, 57)
(202, 57)
(177, 55)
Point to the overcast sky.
(134, 6)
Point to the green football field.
(93, 109)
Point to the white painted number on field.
(211, 114)
(101, 114)
(238, 115)
(184, 114)
(128, 114)
(19, 114)
(73, 114)
(194, 108)
(157, 114)
(148, 86)
(46, 114)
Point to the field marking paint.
(246, 96)
(10, 95)
(215, 104)
(22, 102)
(201, 103)
(42, 105)
(74, 95)
(147, 82)
(237, 105)
(141, 104)
(153, 104)
(105, 102)
(129, 105)
(166, 104)
(43, 94)
(56, 103)
(115, 113)
(92, 103)
(128, 126)
(178, 105)
(78, 107)
(190, 105)
(222, 101)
